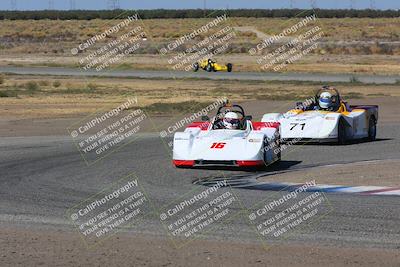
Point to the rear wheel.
(229, 67)
(196, 66)
(342, 138)
(209, 68)
(267, 148)
(372, 129)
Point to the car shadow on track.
(245, 178)
(277, 166)
(350, 142)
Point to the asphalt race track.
(257, 76)
(41, 177)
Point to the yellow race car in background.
(210, 65)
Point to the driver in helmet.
(231, 121)
(325, 101)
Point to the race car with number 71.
(327, 119)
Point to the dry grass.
(48, 43)
(335, 29)
(58, 37)
(76, 96)
(168, 29)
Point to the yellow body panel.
(216, 67)
(342, 110)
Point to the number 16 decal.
(218, 145)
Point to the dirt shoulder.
(28, 247)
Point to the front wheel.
(372, 129)
(229, 67)
(209, 68)
(196, 67)
(277, 148)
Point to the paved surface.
(41, 177)
(260, 76)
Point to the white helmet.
(325, 100)
(231, 120)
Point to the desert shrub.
(92, 86)
(43, 83)
(56, 84)
(8, 93)
(32, 86)
(79, 89)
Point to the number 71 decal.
(295, 124)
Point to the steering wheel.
(218, 121)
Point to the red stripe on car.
(183, 162)
(203, 125)
(258, 125)
(249, 163)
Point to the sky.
(183, 4)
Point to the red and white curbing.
(363, 190)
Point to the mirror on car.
(205, 118)
(248, 117)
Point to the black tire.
(372, 129)
(342, 138)
(209, 68)
(229, 67)
(265, 148)
(196, 66)
(278, 146)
